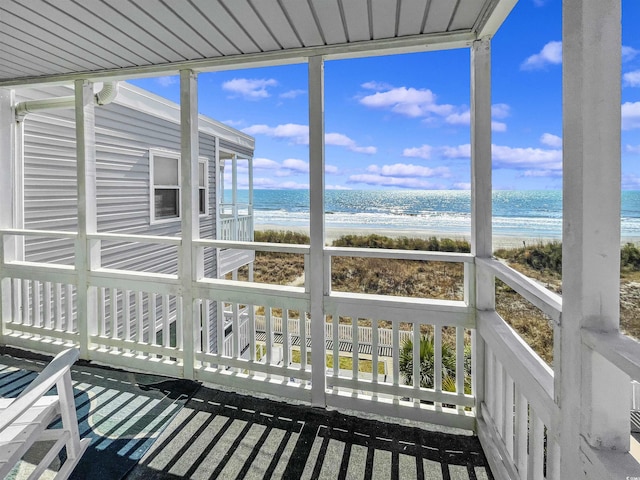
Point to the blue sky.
(402, 122)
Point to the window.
(203, 186)
(165, 172)
(165, 185)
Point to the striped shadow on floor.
(229, 436)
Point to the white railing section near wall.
(235, 222)
(519, 416)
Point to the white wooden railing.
(518, 415)
(235, 222)
(137, 320)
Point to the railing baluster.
(416, 361)
(46, 302)
(460, 360)
(166, 325)
(252, 331)
(35, 302)
(101, 311)
(179, 323)
(522, 432)
(336, 344)
(553, 457)
(507, 433)
(303, 340)
(127, 315)
(236, 330)
(396, 356)
(69, 308)
(286, 344)
(139, 318)
(536, 447)
(437, 360)
(58, 306)
(499, 394)
(113, 298)
(16, 295)
(26, 318)
(269, 332)
(205, 312)
(374, 350)
(355, 356)
(153, 305)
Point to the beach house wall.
(137, 180)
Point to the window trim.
(152, 186)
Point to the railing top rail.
(119, 237)
(38, 233)
(619, 349)
(400, 254)
(547, 301)
(258, 246)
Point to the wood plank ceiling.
(45, 38)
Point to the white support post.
(315, 273)
(234, 196)
(189, 212)
(87, 252)
(481, 196)
(250, 207)
(8, 163)
(591, 393)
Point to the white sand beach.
(499, 241)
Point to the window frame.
(157, 152)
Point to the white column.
(250, 208)
(189, 212)
(87, 251)
(481, 196)
(7, 196)
(316, 196)
(592, 394)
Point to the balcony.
(532, 422)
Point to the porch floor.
(220, 434)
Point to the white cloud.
(630, 115)
(633, 148)
(418, 152)
(461, 186)
(408, 170)
(336, 187)
(629, 53)
(551, 54)
(250, 89)
(513, 157)
(299, 135)
(498, 126)
(380, 180)
(410, 102)
(461, 151)
(499, 110)
(296, 165)
(378, 86)
(271, 184)
(167, 81)
(265, 164)
(292, 93)
(632, 79)
(331, 169)
(342, 140)
(551, 140)
(542, 173)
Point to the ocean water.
(522, 214)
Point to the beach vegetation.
(427, 364)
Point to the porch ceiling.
(41, 39)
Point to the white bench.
(24, 420)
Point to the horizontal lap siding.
(123, 139)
